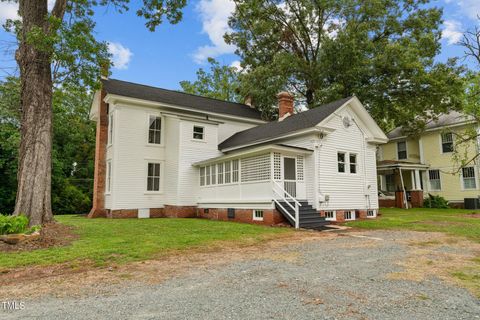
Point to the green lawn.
(451, 221)
(123, 240)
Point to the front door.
(290, 176)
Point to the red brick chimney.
(98, 207)
(285, 105)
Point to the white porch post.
(418, 185)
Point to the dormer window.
(198, 133)
(155, 130)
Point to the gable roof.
(444, 120)
(296, 122)
(144, 92)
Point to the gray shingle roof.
(446, 119)
(139, 91)
(299, 121)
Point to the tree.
(58, 46)
(220, 83)
(382, 51)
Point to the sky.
(175, 52)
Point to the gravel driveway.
(340, 277)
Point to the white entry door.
(290, 176)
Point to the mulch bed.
(51, 235)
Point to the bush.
(435, 202)
(13, 224)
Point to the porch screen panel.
(256, 168)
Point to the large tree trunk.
(34, 170)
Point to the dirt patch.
(51, 235)
(82, 278)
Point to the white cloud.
(214, 15)
(452, 31)
(121, 55)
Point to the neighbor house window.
(348, 215)
(110, 128)
(155, 130)
(353, 163)
(390, 182)
(228, 177)
(109, 176)
(330, 215)
(435, 182)
(468, 176)
(202, 176)
(341, 161)
(153, 177)
(198, 132)
(235, 170)
(402, 150)
(258, 215)
(220, 173)
(371, 213)
(447, 142)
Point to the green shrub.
(435, 202)
(13, 224)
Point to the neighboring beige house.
(427, 163)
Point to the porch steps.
(309, 217)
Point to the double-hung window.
(155, 130)
(434, 178)
(341, 161)
(198, 133)
(402, 150)
(153, 177)
(468, 177)
(447, 142)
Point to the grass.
(450, 221)
(119, 241)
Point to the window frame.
(162, 121)
(442, 143)
(340, 162)
(439, 180)
(406, 150)
(202, 133)
(160, 175)
(462, 178)
(254, 215)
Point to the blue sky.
(174, 52)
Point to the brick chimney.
(98, 206)
(285, 105)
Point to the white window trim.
(334, 215)
(193, 133)
(406, 149)
(257, 218)
(440, 175)
(352, 215)
(441, 143)
(462, 186)
(108, 178)
(162, 176)
(374, 213)
(162, 130)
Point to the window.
(202, 176)
(258, 215)
(371, 213)
(447, 142)
(207, 175)
(468, 175)
(228, 177)
(109, 176)
(220, 173)
(348, 215)
(213, 171)
(235, 170)
(390, 182)
(154, 130)
(353, 163)
(402, 150)
(198, 132)
(110, 128)
(434, 177)
(341, 161)
(153, 177)
(330, 216)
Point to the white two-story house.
(163, 153)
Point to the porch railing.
(283, 195)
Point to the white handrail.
(284, 196)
